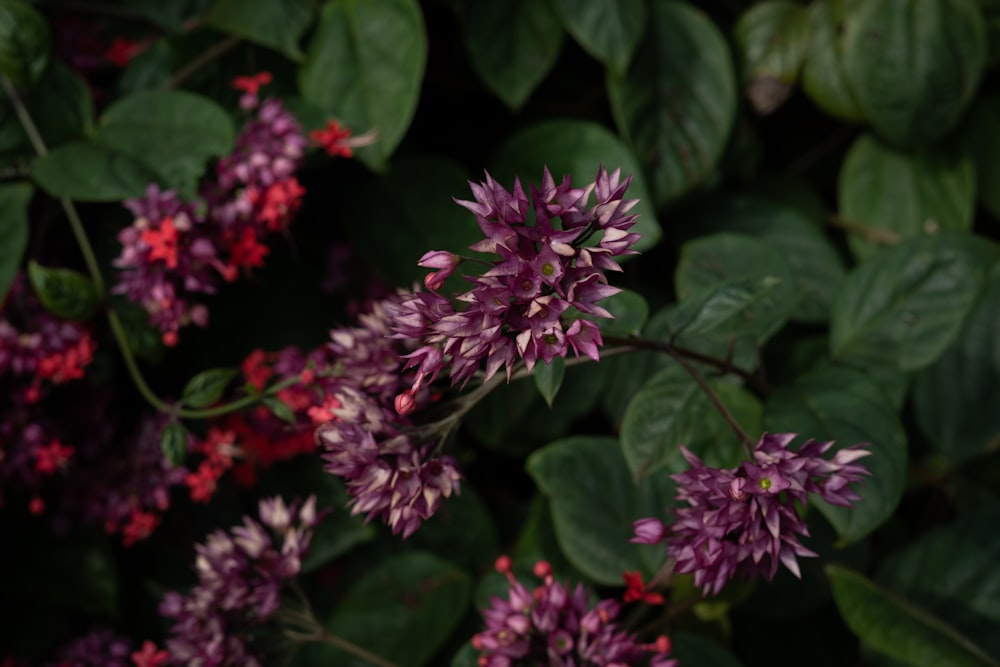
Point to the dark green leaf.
(677, 101)
(274, 23)
(549, 377)
(174, 443)
(672, 410)
(898, 195)
(914, 65)
(897, 627)
(846, 406)
(14, 200)
(904, 305)
(576, 148)
(173, 132)
(721, 308)
(609, 30)
(630, 311)
(144, 339)
(771, 39)
(169, 15)
(365, 64)
(981, 136)
(697, 651)
(594, 502)
(512, 45)
(403, 610)
(64, 292)
(627, 373)
(207, 387)
(24, 43)
(60, 105)
(90, 172)
(463, 528)
(467, 656)
(279, 409)
(721, 259)
(823, 76)
(955, 398)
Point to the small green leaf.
(897, 627)
(549, 377)
(771, 39)
(279, 409)
(277, 24)
(903, 306)
(594, 501)
(207, 387)
(914, 65)
(609, 30)
(903, 194)
(174, 443)
(14, 200)
(823, 76)
(512, 45)
(721, 308)
(364, 65)
(24, 43)
(64, 292)
(676, 104)
(87, 171)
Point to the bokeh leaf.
(771, 39)
(64, 293)
(14, 199)
(549, 377)
(24, 42)
(87, 171)
(609, 30)
(277, 24)
(823, 77)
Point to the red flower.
(256, 370)
(140, 526)
(148, 656)
(251, 84)
(636, 590)
(334, 139)
(162, 242)
(122, 51)
(52, 457)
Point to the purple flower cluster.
(100, 647)
(174, 250)
(744, 520)
(527, 305)
(241, 573)
(554, 626)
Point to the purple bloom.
(744, 520)
(98, 648)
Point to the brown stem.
(873, 234)
(210, 54)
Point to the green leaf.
(512, 45)
(14, 199)
(955, 397)
(207, 387)
(693, 650)
(174, 443)
(609, 30)
(823, 77)
(549, 377)
(279, 409)
(463, 528)
(409, 210)
(897, 627)
(403, 610)
(576, 148)
(60, 105)
(676, 104)
(846, 406)
(145, 340)
(720, 259)
(24, 43)
(173, 132)
(64, 293)
(901, 195)
(672, 410)
(627, 373)
(169, 15)
(87, 171)
(981, 137)
(904, 305)
(721, 308)
(277, 24)
(594, 503)
(365, 65)
(630, 311)
(771, 39)
(914, 65)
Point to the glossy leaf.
(771, 39)
(846, 406)
(14, 199)
(64, 292)
(676, 104)
(955, 397)
(672, 410)
(24, 42)
(173, 132)
(463, 528)
(899, 628)
(823, 77)
(914, 64)
(279, 409)
(576, 148)
(364, 65)
(609, 30)
(903, 306)
(549, 377)
(87, 171)
(709, 262)
(721, 308)
(60, 107)
(207, 387)
(898, 195)
(512, 45)
(594, 501)
(277, 24)
(630, 311)
(174, 443)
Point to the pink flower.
(149, 656)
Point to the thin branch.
(873, 234)
(210, 54)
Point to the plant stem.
(210, 54)
(872, 234)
